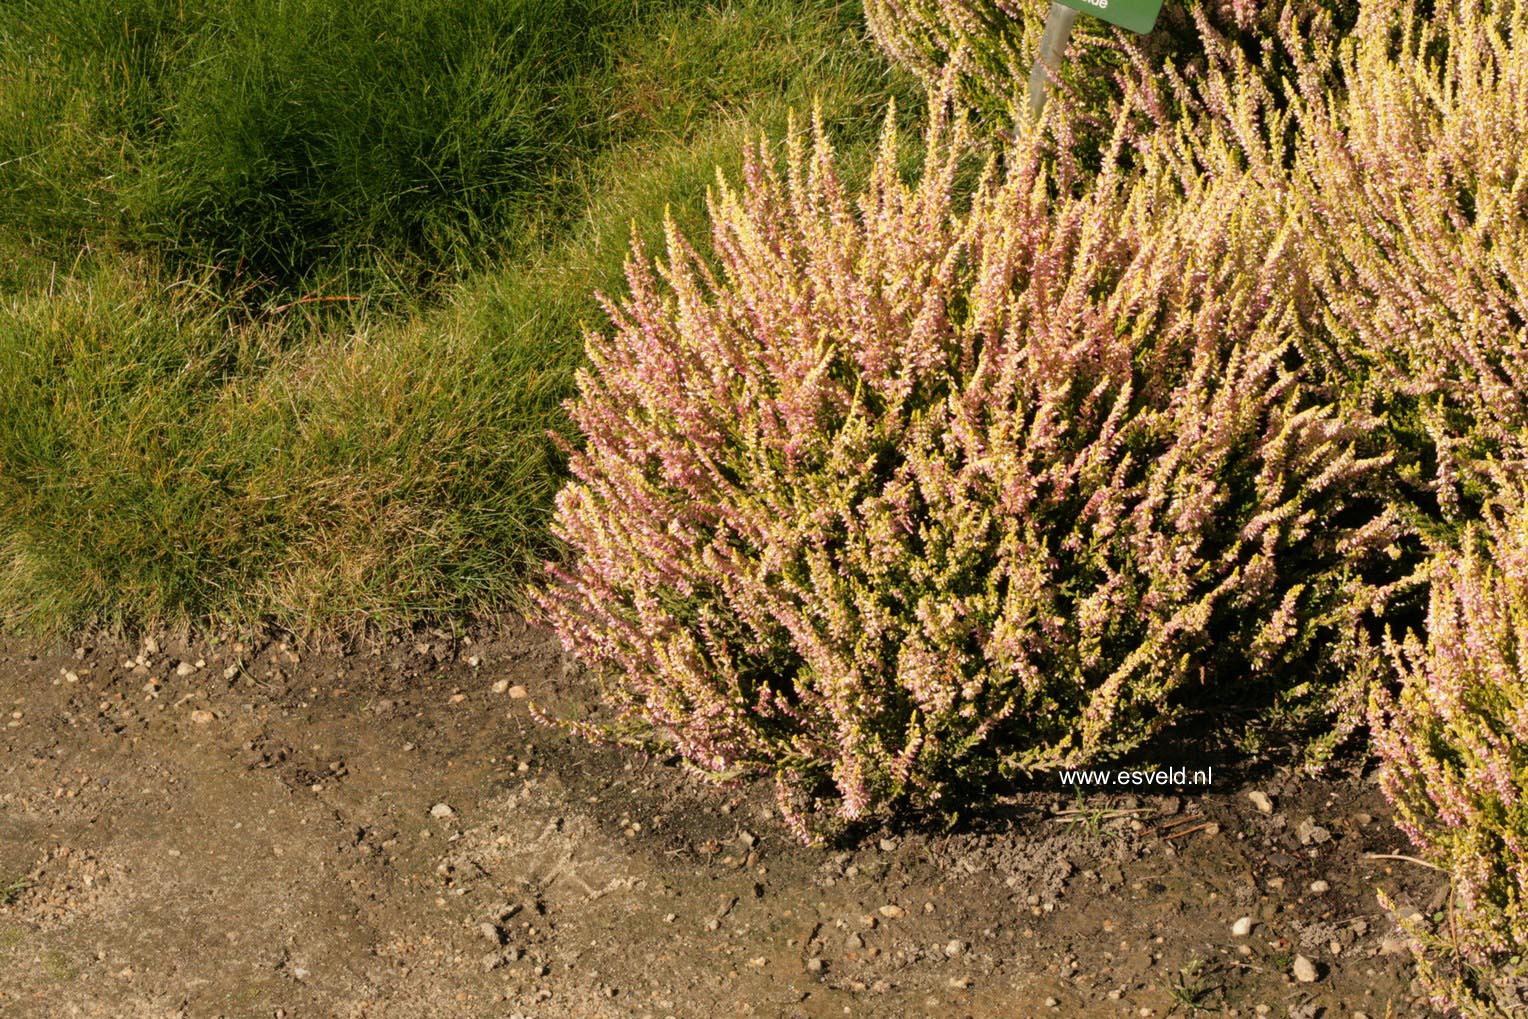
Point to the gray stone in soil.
(1311, 833)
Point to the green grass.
(1191, 987)
(308, 138)
(307, 145)
(81, 90)
(182, 443)
(10, 891)
(294, 142)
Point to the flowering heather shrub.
(888, 494)
(1410, 186)
(995, 42)
(1454, 742)
(1417, 189)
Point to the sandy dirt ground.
(253, 829)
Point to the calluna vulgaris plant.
(893, 493)
(1454, 742)
(1410, 184)
(1417, 187)
(1410, 188)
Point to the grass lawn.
(291, 293)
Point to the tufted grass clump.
(366, 147)
(886, 493)
(1453, 741)
(295, 143)
(83, 88)
(307, 136)
(163, 460)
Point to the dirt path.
(273, 834)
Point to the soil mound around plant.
(256, 830)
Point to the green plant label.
(1136, 15)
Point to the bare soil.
(253, 829)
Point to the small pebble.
(1311, 833)
(441, 810)
(1261, 801)
(1305, 970)
(1320, 887)
(1242, 927)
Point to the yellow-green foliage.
(1409, 187)
(1416, 189)
(1454, 742)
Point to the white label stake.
(1058, 29)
